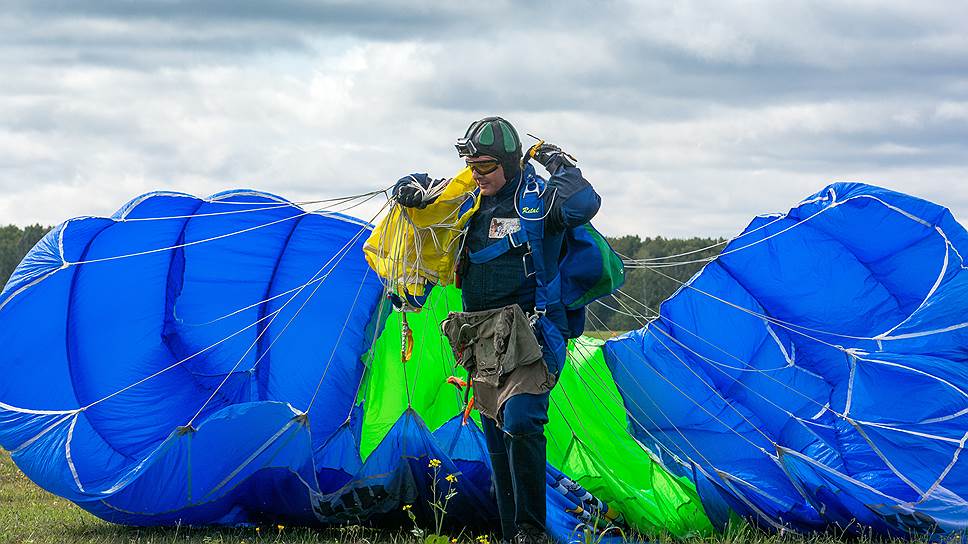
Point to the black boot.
(530, 535)
(497, 446)
(528, 465)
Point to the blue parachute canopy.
(815, 372)
(138, 379)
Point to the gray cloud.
(689, 117)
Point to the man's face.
(490, 181)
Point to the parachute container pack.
(232, 360)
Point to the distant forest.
(644, 289)
(15, 242)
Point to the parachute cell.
(813, 373)
(139, 346)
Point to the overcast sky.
(688, 117)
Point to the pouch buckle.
(528, 270)
(538, 314)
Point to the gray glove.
(552, 157)
(411, 191)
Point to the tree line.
(645, 289)
(15, 242)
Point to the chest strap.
(495, 250)
(531, 211)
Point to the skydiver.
(498, 280)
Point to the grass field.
(32, 516)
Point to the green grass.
(30, 515)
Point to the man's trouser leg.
(519, 451)
(497, 448)
(524, 419)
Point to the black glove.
(410, 190)
(552, 157)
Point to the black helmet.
(495, 137)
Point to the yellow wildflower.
(453, 541)
(452, 478)
(280, 527)
(407, 507)
(434, 463)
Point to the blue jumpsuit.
(518, 450)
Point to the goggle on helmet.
(494, 137)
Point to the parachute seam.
(768, 319)
(959, 390)
(934, 288)
(882, 457)
(344, 251)
(30, 441)
(901, 430)
(123, 481)
(686, 439)
(625, 397)
(775, 459)
(632, 419)
(944, 473)
(67, 454)
(68, 335)
(64, 265)
(179, 249)
(261, 350)
(849, 478)
(738, 382)
(252, 457)
(130, 206)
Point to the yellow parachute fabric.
(411, 247)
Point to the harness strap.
(531, 210)
(495, 250)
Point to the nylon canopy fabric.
(412, 247)
(589, 439)
(138, 376)
(814, 373)
(232, 360)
